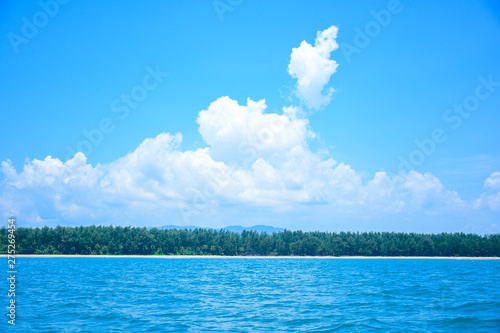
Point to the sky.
(311, 115)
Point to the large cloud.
(277, 171)
(253, 160)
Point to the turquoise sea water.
(245, 295)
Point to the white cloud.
(491, 196)
(253, 160)
(493, 181)
(158, 178)
(238, 133)
(312, 67)
(50, 188)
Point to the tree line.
(100, 240)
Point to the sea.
(253, 295)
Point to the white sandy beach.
(235, 257)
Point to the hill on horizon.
(234, 228)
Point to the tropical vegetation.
(100, 240)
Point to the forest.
(101, 240)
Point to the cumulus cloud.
(491, 196)
(237, 133)
(493, 181)
(49, 189)
(312, 67)
(253, 160)
(158, 178)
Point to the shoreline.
(235, 257)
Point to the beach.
(236, 257)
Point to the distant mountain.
(259, 228)
(235, 228)
(177, 227)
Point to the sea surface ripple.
(255, 295)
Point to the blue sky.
(402, 70)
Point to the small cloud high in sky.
(252, 159)
(312, 67)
